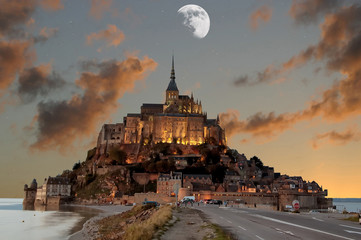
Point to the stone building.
(54, 188)
(30, 193)
(180, 119)
(166, 183)
(54, 191)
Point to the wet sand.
(89, 229)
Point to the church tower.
(172, 92)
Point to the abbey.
(179, 120)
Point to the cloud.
(336, 138)
(13, 58)
(38, 81)
(52, 5)
(61, 123)
(263, 13)
(112, 35)
(130, 16)
(306, 11)
(45, 34)
(339, 48)
(261, 77)
(99, 7)
(14, 13)
(259, 124)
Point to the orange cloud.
(61, 123)
(44, 34)
(263, 13)
(336, 138)
(38, 81)
(15, 13)
(13, 58)
(112, 35)
(340, 48)
(52, 5)
(99, 7)
(259, 124)
(306, 11)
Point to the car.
(207, 201)
(150, 203)
(219, 202)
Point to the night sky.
(285, 77)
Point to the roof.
(199, 186)
(197, 176)
(134, 115)
(211, 122)
(172, 86)
(58, 180)
(183, 97)
(152, 105)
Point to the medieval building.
(180, 119)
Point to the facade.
(180, 119)
(52, 192)
(166, 183)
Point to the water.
(16, 223)
(351, 204)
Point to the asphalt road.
(249, 223)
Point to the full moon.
(196, 19)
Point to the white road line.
(300, 226)
(320, 220)
(221, 217)
(289, 232)
(350, 227)
(229, 221)
(259, 237)
(349, 231)
(242, 228)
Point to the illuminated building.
(179, 120)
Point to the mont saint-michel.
(169, 151)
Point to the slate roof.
(172, 86)
(152, 105)
(58, 180)
(184, 97)
(134, 115)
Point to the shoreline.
(90, 228)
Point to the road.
(249, 223)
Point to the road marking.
(229, 221)
(349, 231)
(317, 219)
(222, 217)
(350, 227)
(281, 231)
(259, 237)
(242, 228)
(300, 226)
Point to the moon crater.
(196, 19)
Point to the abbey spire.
(172, 86)
(172, 92)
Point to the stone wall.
(160, 198)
